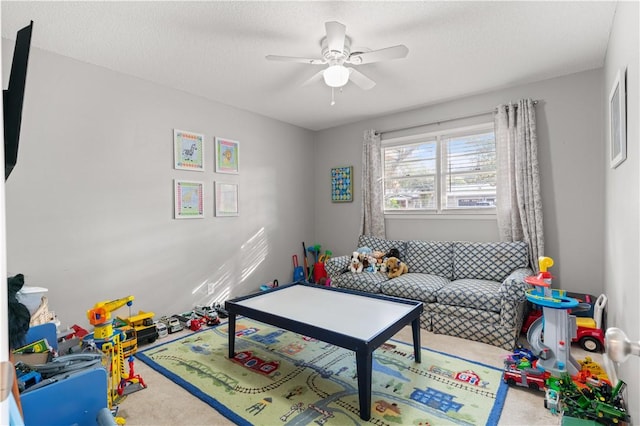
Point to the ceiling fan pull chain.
(333, 102)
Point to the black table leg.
(364, 367)
(417, 351)
(232, 335)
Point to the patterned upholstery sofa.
(473, 290)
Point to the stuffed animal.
(364, 250)
(393, 252)
(370, 263)
(395, 267)
(379, 257)
(355, 264)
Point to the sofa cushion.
(415, 286)
(430, 257)
(337, 265)
(488, 261)
(471, 293)
(380, 244)
(360, 281)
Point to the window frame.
(438, 211)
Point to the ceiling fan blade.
(317, 61)
(394, 52)
(360, 79)
(314, 78)
(335, 36)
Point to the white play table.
(357, 321)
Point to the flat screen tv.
(13, 98)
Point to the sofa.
(472, 290)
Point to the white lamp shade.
(336, 76)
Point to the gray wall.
(90, 203)
(622, 189)
(570, 128)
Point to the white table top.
(349, 314)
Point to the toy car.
(552, 400)
(590, 339)
(173, 325)
(205, 311)
(162, 329)
(210, 320)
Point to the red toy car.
(590, 339)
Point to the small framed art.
(226, 199)
(188, 199)
(188, 150)
(227, 156)
(342, 184)
(618, 119)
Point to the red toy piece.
(132, 383)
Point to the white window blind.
(451, 171)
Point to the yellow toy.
(100, 316)
(110, 343)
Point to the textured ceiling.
(217, 49)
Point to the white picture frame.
(188, 199)
(618, 120)
(226, 199)
(188, 150)
(227, 155)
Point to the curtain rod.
(462, 117)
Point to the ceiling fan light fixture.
(336, 76)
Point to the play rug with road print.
(282, 378)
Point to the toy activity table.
(360, 322)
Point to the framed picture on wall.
(226, 199)
(227, 156)
(188, 150)
(342, 184)
(188, 199)
(618, 119)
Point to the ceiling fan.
(336, 53)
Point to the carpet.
(282, 378)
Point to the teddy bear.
(355, 265)
(395, 267)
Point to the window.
(452, 171)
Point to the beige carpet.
(166, 403)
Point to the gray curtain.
(519, 204)
(372, 214)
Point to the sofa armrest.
(514, 287)
(337, 265)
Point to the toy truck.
(208, 314)
(162, 329)
(528, 377)
(129, 341)
(205, 311)
(146, 330)
(172, 323)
